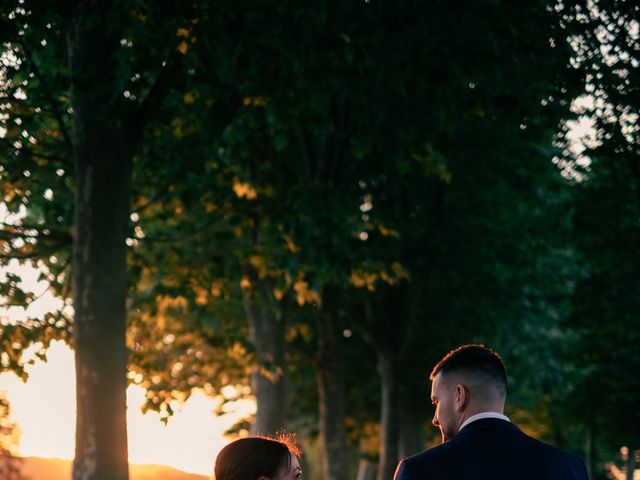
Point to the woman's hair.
(254, 457)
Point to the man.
(469, 390)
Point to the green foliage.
(397, 152)
(605, 206)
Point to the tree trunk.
(631, 463)
(330, 381)
(103, 182)
(99, 277)
(366, 470)
(269, 380)
(388, 417)
(410, 436)
(385, 348)
(592, 457)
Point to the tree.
(100, 128)
(313, 170)
(603, 167)
(459, 200)
(9, 434)
(350, 152)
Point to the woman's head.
(255, 458)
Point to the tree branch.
(161, 195)
(26, 151)
(19, 231)
(152, 102)
(35, 254)
(19, 256)
(365, 327)
(54, 158)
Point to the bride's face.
(294, 472)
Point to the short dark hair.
(253, 457)
(476, 359)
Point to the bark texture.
(410, 436)
(269, 380)
(366, 470)
(389, 340)
(631, 463)
(102, 157)
(107, 128)
(592, 452)
(330, 382)
(389, 425)
(99, 302)
(103, 174)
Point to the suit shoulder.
(539, 444)
(429, 455)
(574, 462)
(413, 467)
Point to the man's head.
(468, 380)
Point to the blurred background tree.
(323, 199)
(604, 171)
(9, 439)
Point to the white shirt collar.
(480, 416)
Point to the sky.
(44, 407)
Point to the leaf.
(244, 190)
(189, 97)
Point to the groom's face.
(444, 415)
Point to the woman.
(259, 458)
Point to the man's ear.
(460, 397)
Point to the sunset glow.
(44, 408)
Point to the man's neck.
(481, 415)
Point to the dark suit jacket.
(492, 449)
